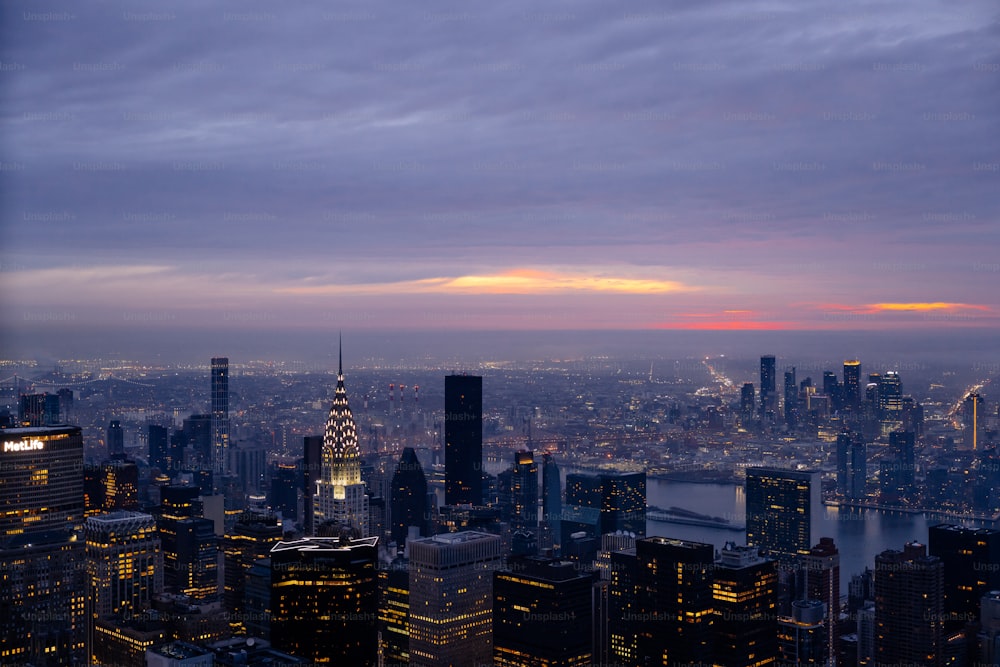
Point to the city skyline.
(728, 166)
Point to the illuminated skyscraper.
(852, 385)
(675, 602)
(745, 594)
(463, 440)
(451, 599)
(619, 498)
(780, 506)
(768, 390)
(394, 613)
(973, 415)
(800, 636)
(124, 567)
(542, 614)
(251, 539)
(524, 492)
(190, 547)
(408, 498)
(909, 606)
(324, 599)
(890, 401)
(42, 559)
(340, 495)
(971, 559)
(220, 416)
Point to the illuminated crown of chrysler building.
(341, 493)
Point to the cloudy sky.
(514, 165)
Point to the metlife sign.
(23, 445)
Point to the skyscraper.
(159, 448)
(408, 498)
(745, 593)
(791, 398)
(619, 499)
(451, 599)
(858, 482)
(463, 440)
(42, 573)
(971, 560)
(780, 506)
(800, 636)
(190, 547)
(394, 613)
(542, 614)
(844, 441)
(852, 385)
(324, 599)
(675, 601)
(220, 416)
(768, 391)
(897, 472)
(312, 472)
(116, 440)
(341, 496)
(524, 492)
(124, 567)
(747, 404)
(551, 498)
(821, 567)
(251, 539)
(909, 605)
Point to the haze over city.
(581, 166)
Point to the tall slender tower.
(768, 391)
(220, 415)
(340, 491)
(463, 434)
(852, 384)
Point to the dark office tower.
(198, 429)
(971, 559)
(394, 613)
(31, 410)
(408, 498)
(791, 398)
(220, 415)
(190, 547)
(780, 506)
(257, 600)
(124, 569)
(623, 607)
(973, 416)
(524, 492)
(324, 599)
(42, 573)
(768, 391)
(745, 591)
(116, 440)
(463, 440)
(312, 463)
(551, 497)
(844, 441)
(285, 490)
(800, 636)
(821, 570)
(858, 482)
(852, 385)
(989, 634)
(542, 614)
(898, 470)
(913, 417)
(451, 599)
(833, 389)
(620, 499)
(909, 606)
(674, 590)
(250, 540)
(747, 404)
(159, 447)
